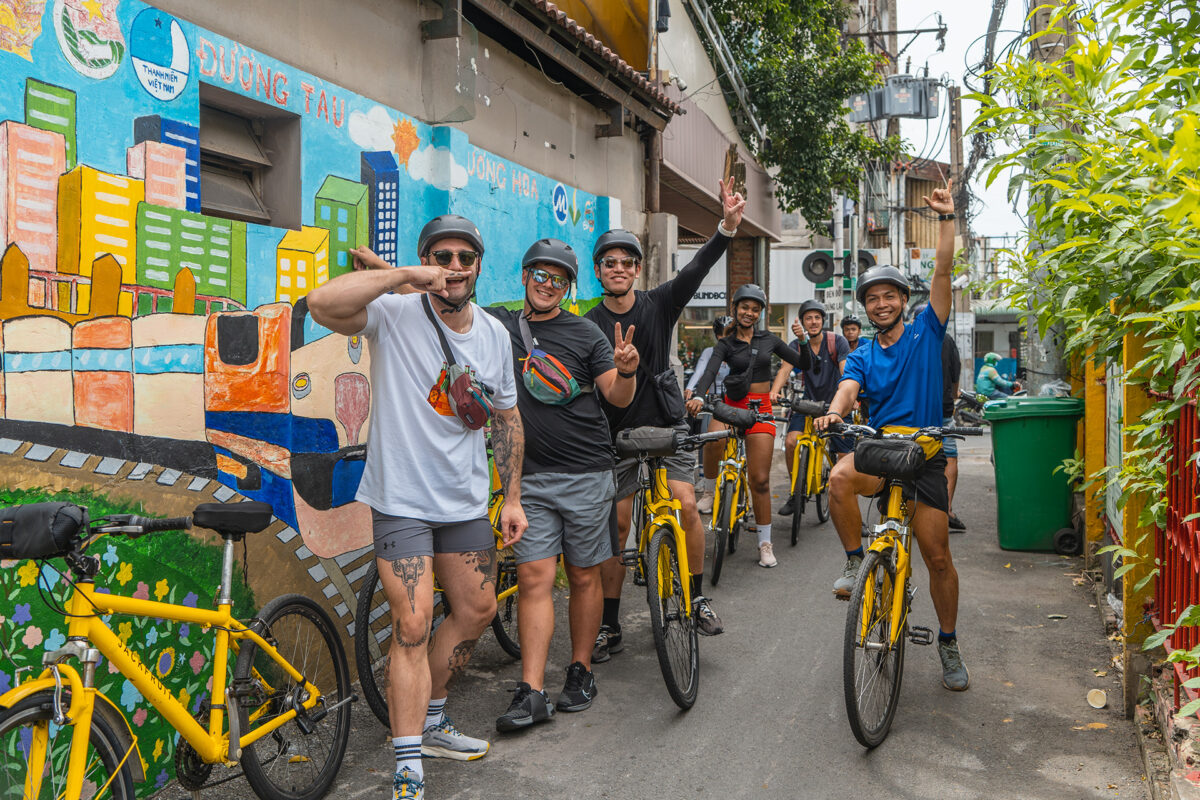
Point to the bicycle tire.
(799, 492)
(305, 635)
(504, 624)
(373, 639)
(872, 671)
(721, 531)
(740, 500)
(16, 727)
(676, 640)
(822, 498)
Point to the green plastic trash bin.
(1031, 436)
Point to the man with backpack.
(829, 350)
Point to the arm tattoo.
(484, 562)
(409, 571)
(508, 449)
(458, 659)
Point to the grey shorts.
(569, 514)
(404, 537)
(680, 467)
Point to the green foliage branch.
(799, 72)
(1104, 140)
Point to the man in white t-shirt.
(426, 477)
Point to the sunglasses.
(541, 276)
(445, 257)
(611, 262)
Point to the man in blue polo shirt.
(900, 373)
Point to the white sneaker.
(766, 555)
(704, 504)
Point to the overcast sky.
(967, 21)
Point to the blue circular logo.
(558, 199)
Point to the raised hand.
(943, 199)
(365, 258)
(426, 278)
(625, 355)
(732, 204)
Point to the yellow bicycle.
(373, 619)
(660, 559)
(284, 713)
(811, 464)
(877, 625)
(732, 499)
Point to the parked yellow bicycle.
(660, 559)
(877, 625)
(811, 464)
(284, 713)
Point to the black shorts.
(931, 486)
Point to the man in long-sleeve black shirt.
(652, 316)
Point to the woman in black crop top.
(735, 350)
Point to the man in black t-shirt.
(565, 365)
(652, 316)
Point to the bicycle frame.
(660, 508)
(733, 462)
(892, 532)
(85, 626)
(818, 452)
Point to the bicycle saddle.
(233, 518)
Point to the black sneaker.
(579, 690)
(707, 621)
(528, 707)
(787, 508)
(608, 643)
(956, 524)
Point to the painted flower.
(143, 591)
(190, 600)
(166, 662)
(197, 662)
(8, 563)
(160, 780)
(139, 717)
(110, 556)
(199, 701)
(21, 614)
(130, 696)
(161, 588)
(124, 631)
(125, 573)
(184, 697)
(55, 639)
(184, 630)
(5, 682)
(152, 637)
(158, 747)
(33, 637)
(112, 668)
(49, 576)
(27, 574)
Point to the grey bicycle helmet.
(750, 291)
(812, 305)
(448, 226)
(617, 237)
(875, 276)
(851, 321)
(721, 324)
(552, 251)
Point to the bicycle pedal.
(629, 557)
(638, 578)
(920, 635)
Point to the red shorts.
(764, 407)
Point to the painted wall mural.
(137, 328)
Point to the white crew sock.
(435, 713)
(764, 533)
(408, 755)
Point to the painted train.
(263, 401)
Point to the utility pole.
(961, 195)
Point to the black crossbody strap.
(526, 334)
(441, 336)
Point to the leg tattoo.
(458, 660)
(409, 571)
(484, 562)
(406, 643)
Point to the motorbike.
(968, 408)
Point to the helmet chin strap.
(451, 308)
(607, 293)
(880, 331)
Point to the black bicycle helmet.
(721, 324)
(617, 237)
(448, 226)
(750, 291)
(812, 305)
(552, 251)
(885, 273)
(851, 321)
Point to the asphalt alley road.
(770, 721)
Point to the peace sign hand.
(943, 199)
(625, 355)
(732, 204)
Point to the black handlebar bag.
(654, 442)
(40, 530)
(899, 459)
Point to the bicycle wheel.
(671, 622)
(300, 759)
(822, 499)
(32, 719)
(504, 624)
(721, 532)
(871, 667)
(799, 492)
(740, 500)
(373, 636)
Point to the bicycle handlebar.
(134, 526)
(867, 432)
